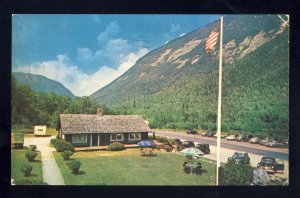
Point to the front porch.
(96, 148)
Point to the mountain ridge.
(41, 83)
(186, 54)
(175, 86)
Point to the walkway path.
(51, 172)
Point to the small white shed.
(40, 130)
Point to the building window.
(134, 136)
(80, 138)
(116, 137)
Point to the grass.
(128, 167)
(17, 160)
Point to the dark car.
(187, 144)
(244, 138)
(177, 142)
(204, 148)
(271, 165)
(194, 132)
(209, 134)
(238, 158)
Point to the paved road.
(278, 153)
(51, 172)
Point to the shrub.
(66, 155)
(53, 141)
(236, 174)
(115, 146)
(32, 147)
(63, 145)
(74, 166)
(30, 155)
(26, 169)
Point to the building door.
(94, 139)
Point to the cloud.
(110, 30)
(87, 55)
(174, 27)
(112, 52)
(80, 83)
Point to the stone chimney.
(100, 111)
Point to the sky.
(87, 52)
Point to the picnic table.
(191, 165)
(147, 152)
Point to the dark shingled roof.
(93, 123)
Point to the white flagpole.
(219, 103)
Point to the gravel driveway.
(51, 172)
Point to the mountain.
(175, 86)
(42, 84)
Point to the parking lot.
(255, 151)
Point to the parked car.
(231, 137)
(187, 144)
(265, 141)
(210, 133)
(204, 148)
(177, 142)
(275, 144)
(207, 133)
(244, 138)
(239, 158)
(222, 135)
(255, 140)
(271, 165)
(286, 142)
(194, 132)
(204, 133)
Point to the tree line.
(30, 108)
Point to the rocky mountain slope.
(175, 86)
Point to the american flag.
(211, 41)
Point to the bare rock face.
(256, 42)
(232, 51)
(161, 58)
(187, 48)
(181, 62)
(195, 59)
(229, 51)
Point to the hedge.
(115, 146)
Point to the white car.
(254, 140)
(231, 137)
(222, 136)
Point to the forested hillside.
(29, 108)
(42, 84)
(175, 86)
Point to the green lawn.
(17, 160)
(130, 168)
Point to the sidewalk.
(51, 172)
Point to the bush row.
(116, 146)
(62, 145)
